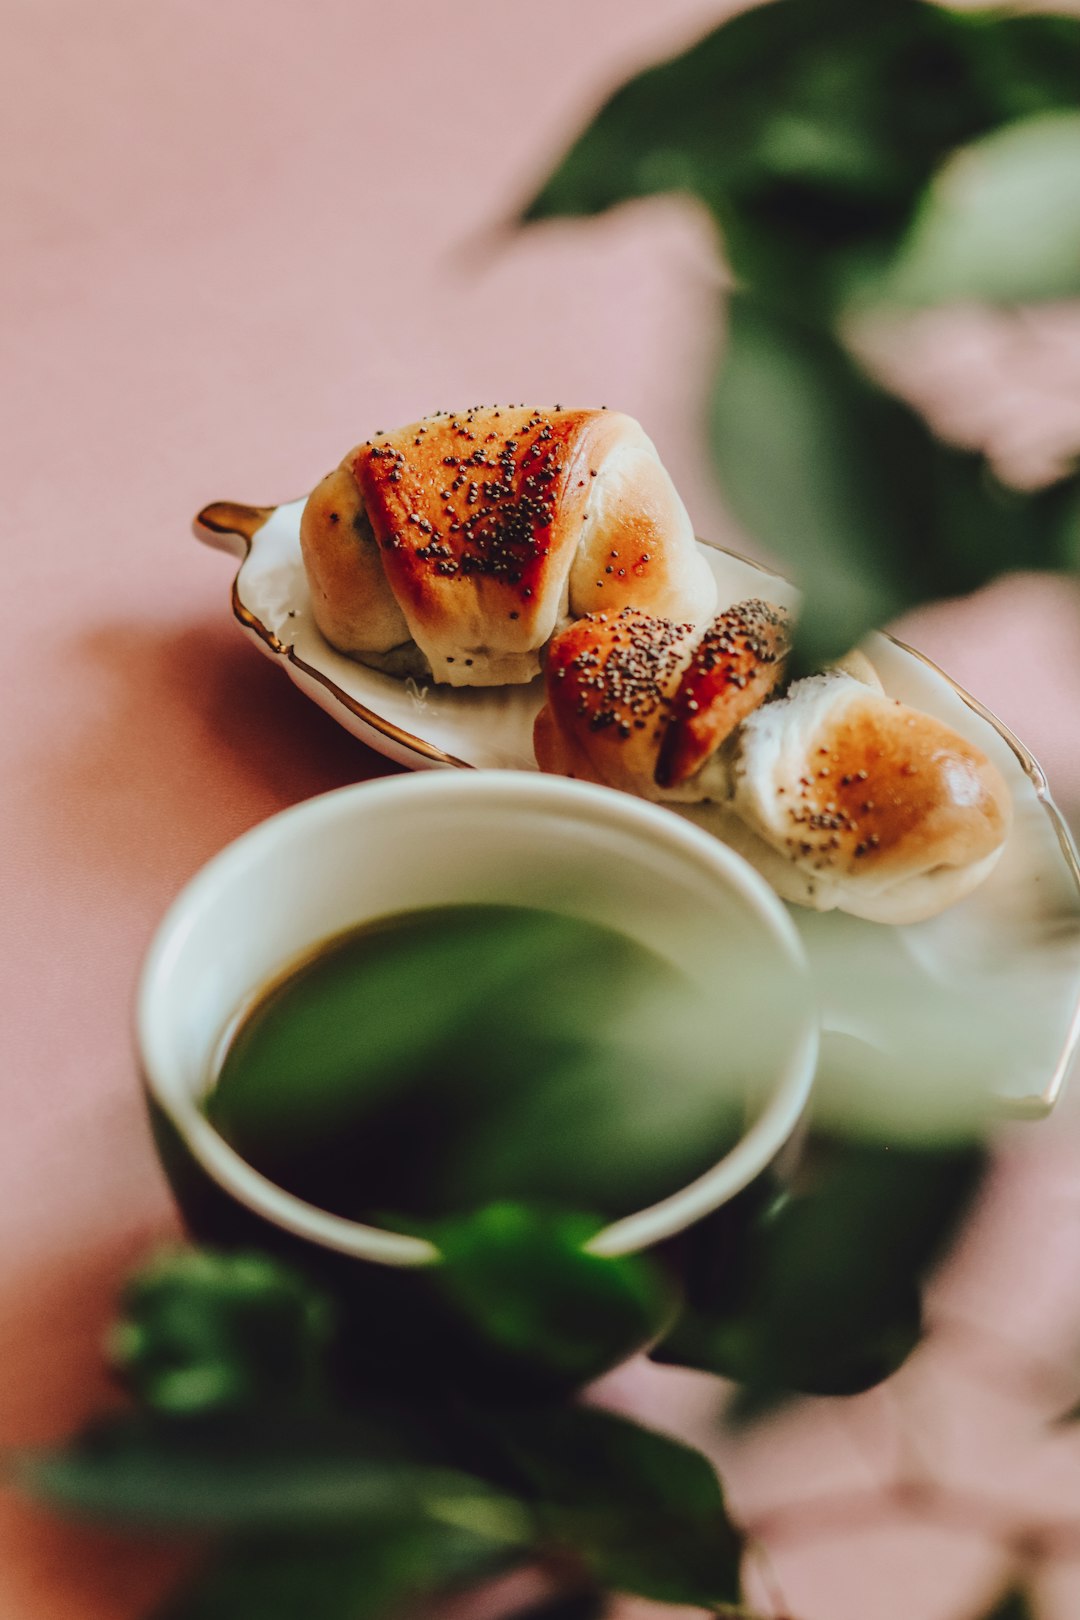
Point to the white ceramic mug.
(451, 838)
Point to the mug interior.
(408, 843)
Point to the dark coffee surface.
(439, 1060)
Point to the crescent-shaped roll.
(455, 547)
(611, 680)
(642, 703)
(871, 806)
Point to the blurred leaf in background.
(849, 484)
(858, 157)
(825, 1298)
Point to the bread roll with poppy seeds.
(644, 704)
(871, 806)
(611, 679)
(457, 546)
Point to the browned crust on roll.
(474, 517)
(736, 665)
(475, 534)
(610, 682)
(646, 701)
(889, 789)
(559, 753)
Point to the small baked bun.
(645, 703)
(611, 679)
(458, 545)
(865, 804)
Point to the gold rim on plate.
(230, 517)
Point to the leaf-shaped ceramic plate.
(1014, 942)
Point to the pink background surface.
(235, 239)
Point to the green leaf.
(788, 428)
(1013, 1606)
(202, 1332)
(686, 124)
(644, 1513)
(809, 131)
(844, 1354)
(1001, 222)
(1069, 525)
(826, 1299)
(1022, 65)
(787, 93)
(527, 1286)
(849, 487)
(332, 1578)
(312, 1476)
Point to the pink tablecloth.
(237, 238)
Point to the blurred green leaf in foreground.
(530, 1288)
(202, 1333)
(326, 1577)
(859, 158)
(360, 1505)
(644, 1513)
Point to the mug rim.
(756, 1148)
